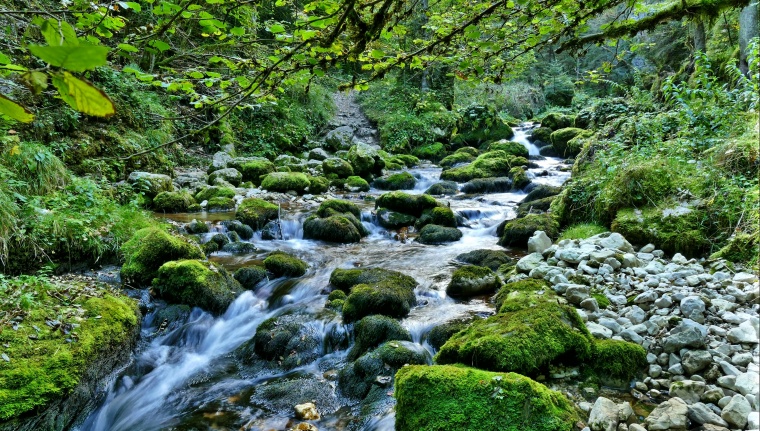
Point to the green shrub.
(478, 124)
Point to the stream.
(186, 378)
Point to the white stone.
(604, 415)
(744, 333)
(670, 415)
(539, 242)
(736, 411)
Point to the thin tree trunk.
(748, 29)
(425, 84)
(700, 39)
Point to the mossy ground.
(65, 325)
(442, 398)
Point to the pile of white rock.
(697, 319)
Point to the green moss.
(43, 365)
(442, 398)
(471, 280)
(458, 158)
(472, 151)
(741, 248)
(478, 124)
(560, 139)
(357, 379)
(487, 165)
(238, 247)
(524, 341)
(510, 147)
(384, 297)
(342, 228)
(336, 294)
(441, 216)
(519, 178)
(618, 360)
(406, 160)
(339, 167)
(489, 258)
(250, 276)
(488, 185)
(536, 206)
(345, 279)
(601, 299)
(338, 205)
(256, 212)
(213, 192)
(197, 284)
(517, 232)
(432, 152)
(556, 121)
(356, 184)
(287, 340)
(682, 232)
(405, 203)
(528, 286)
(434, 234)
(399, 181)
(446, 188)
(254, 170)
(438, 336)
(285, 182)
(365, 160)
(394, 220)
(150, 248)
(318, 185)
(173, 202)
(282, 264)
(220, 204)
(542, 134)
(374, 330)
(582, 231)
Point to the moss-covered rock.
(487, 165)
(254, 170)
(345, 279)
(229, 175)
(541, 134)
(365, 160)
(457, 159)
(560, 139)
(335, 221)
(197, 284)
(374, 330)
(220, 204)
(150, 248)
(445, 188)
(337, 167)
(438, 336)
(250, 276)
(282, 264)
(385, 297)
(471, 280)
(318, 185)
(399, 181)
(472, 151)
(441, 216)
(285, 182)
(509, 147)
(617, 360)
(741, 248)
(394, 220)
(213, 192)
(488, 185)
(523, 294)
(150, 184)
(679, 228)
(556, 121)
(196, 227)
(459, 398)
(356, 380)
(432, 152)
(541, 191)
(331, 206)
(518, 231)
(356, 184)
(524, 341)
(492, 259)
(406, 160)
(173, 202)
(433, 234)
(519, 178)
(533, 207)
(287, 340)
(405, 203)
(243, 230)
(335, 300)
(256, 212)
(239, 247)
(479, 124)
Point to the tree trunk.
(425, 84)
(748, 29)
(700, 39)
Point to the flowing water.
(187, 378)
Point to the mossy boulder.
(560, 139)
(356, 380)
(617, 360)
(282, 264)
(385, 297)
(525, 341)
(255, 169)
(331, 206)
(433, 234)
(335, 221)
(374, 330)
(398, 181)
(457, 159)
(286, 182)
(479, 124)
(356, 184)
(213, 192)
(523, 294)
(365, 160)
(541, 191)
(675, 229)
(432, 152)
(229, 175)
(335, 300)
(173, 202)
(441, 216)
(150, 248)
(519, 178)
(406, 160)
(288, 340)
(256, 212)
(220, 203)
(510, 147)
(250, 276)
(556, 121)
(444, 188)
(337, 167)
(345, 279)
(488, 185)
(394, 220)
(239, 247)
(517, 232)
(492, 259)
(197, 284)
(197, 227)
(438, 336)
(459, 398)
(413, 205)
(471, 280)
(541, 134)
(243, 230)
(150, 184)
(318, 185)
(740, 248)
(535, 206)
(472, 151)
(487, 165)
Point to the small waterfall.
(521, 137)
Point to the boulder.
(539, 242)
(399, 201)
(150, 184)
(488, 185)
(250, 276)
(471, 280)
(736, 411)
(173, 202)
(150, 248)
(434, 234)
(254, 170)
(492, 259)
(378, 367)
(286, 182)
(443, 188)
(337, 167)
(398, 181)
(516, 232)
(228, 175)
(371, 331)
(340, 138)
(391, 297)
(670, 415)
(356, 184)
(604, 415)
(197, 284)
(282, 264)
(365, 160)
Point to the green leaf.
(57, 33)
(377, 54)
(237, 31)
(132, 5)
(196, 75)
(83, 96)
(36, 81)
(276, 28)
(13, 110)
(127, 47)
(4, 59)
(73, 58)
(160, 45)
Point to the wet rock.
(282, 264)
(307, 411)
(471, 280)
(701, 414)
(250, 277)
(492, 259)
(197, 284)
(446, 188)
(434, 234)
(338, 167)
(668, 416)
